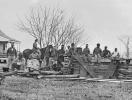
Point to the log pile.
(125, 71)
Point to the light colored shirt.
(115, 54)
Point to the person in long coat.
(11, 54)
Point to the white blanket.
(33, 63)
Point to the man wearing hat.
(11, 54)
(97, 52)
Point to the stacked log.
(66, 66)
(125, 71)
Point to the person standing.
(11, 54)
(61, 53)
(50, 53)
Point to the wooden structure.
(4, 41)
(125, 69)
(103, 69)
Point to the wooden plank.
(84, 65)
(59, 76)
(49, 72)
(100, 70)
(8, 73)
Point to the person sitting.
(61, 54)
(34, 60)
(79, 51)
(35, 44)
(19, 63)
(67, 50)
(97, 51)
(86, 53)
(36, 54)
(72, 50)
(106, 52)
(115, 54)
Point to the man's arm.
(118, 55)
(83, 52)
(101, 52)
(15, 52)
(110, 53)
(7, 52)
(93, 51)
(89, 51)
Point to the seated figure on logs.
(97, 53)
(86, 53)
(72, 50)
(115, 54)
(106, 53)
(34, 59)
(19, 63)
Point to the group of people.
(105, 53)
(97, 52)
(50, 52)
(15, 61)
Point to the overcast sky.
(103, 20)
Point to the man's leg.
(9, 62)
(14, 66)
(12, 60)
(47, 61)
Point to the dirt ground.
(17, 88)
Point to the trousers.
(10, 61)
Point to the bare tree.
(126, 40)
(50, 26)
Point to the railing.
(3, 55)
